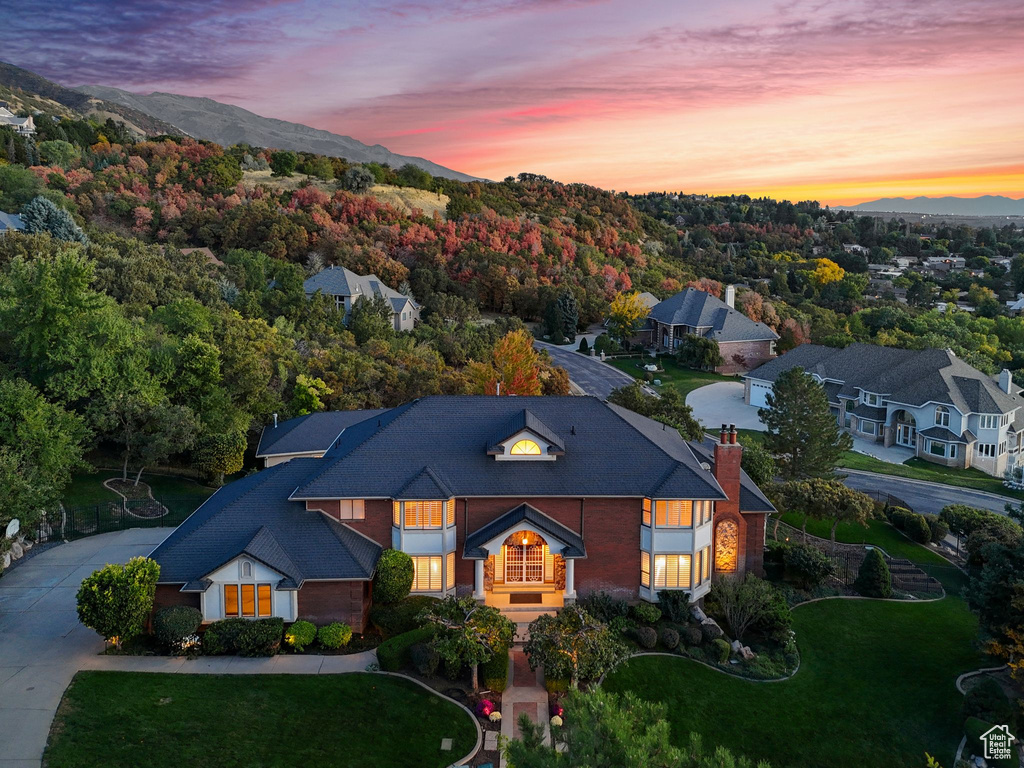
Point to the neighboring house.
(927, 400)
(886, 271)
(306, 436)
(522, 502)
(10, 222)
(744, 344)
(943, 264)
(23, 126)
(346, 287)
(860, 250)
(1014, 307)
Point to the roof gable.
(701, 310)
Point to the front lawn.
(684, 379)
(130, 719)
(875, 689)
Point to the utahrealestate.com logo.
(997, 741)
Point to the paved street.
(927, 498)
(588, 373)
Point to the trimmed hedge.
(393, 654)
(494, 672)
(806, 565)
(175, 624)
(724, 650)
(669, 638)
(424, 659)
(334, 635)
(646, 613)
(403, 616)
(300, 634)
(393, 579)
(646, 637)
(246, 637)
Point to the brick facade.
(322, 602)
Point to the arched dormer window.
(525, 448)
(246, 569)
(942, 416)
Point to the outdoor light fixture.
(525, 540)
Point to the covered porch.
(524, 561)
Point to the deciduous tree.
(468, 633)
(626, 315)
(572, 645)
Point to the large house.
(927, 400)
(346, 287)
(518, 501)
(10, 222)
(23, 126)
(744, 344)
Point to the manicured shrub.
(692, 636)
(300, 634)
(621, 624)
(723, 650)
(222, 636)
(334, 635)
(807, 566)
(873, 578)
(176, 625)
(494, 672)
(556, 685)
(403, 616)
(938, 528)
(916, 527)
(603, 606)
(898, 516)
(584, 346)
(646, 637)
(393, 654)
(260, 637)
(424, 659)
(646, 613)
(710, 632)
(393, 579)
(116, 600)
(987, 701)
(674, 605)
(669, 638)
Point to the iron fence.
(70, 523)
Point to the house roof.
(752, 499)
(473, 548)
(339, 281)
(11, 221)
(941, 433)
(911, 376)
(526, 420)
(254, 517)
(702, 310)
(607, 452)
(314, 433)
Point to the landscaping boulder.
(5, 561)
(710, 629)
(17, 551)
(698, 614)
(736, 645)
(746, 654)
(25, 543)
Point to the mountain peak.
(983, 205)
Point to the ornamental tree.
(468, 633)
(42, 215)
(626, 315)
(568, 313)
(826, 499)
(802, 433)
(750, 604)
(219, 453)
(117, 599)
(572, 644)
(515, 367)
(307, 393)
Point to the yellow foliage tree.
(625, 316)
(826, 271)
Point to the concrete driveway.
(42, 644)
(722, 403)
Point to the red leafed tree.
(515, 366)
(707, 285)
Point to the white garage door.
(758, 393)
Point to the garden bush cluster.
(246, 637)
(331, 637)
(924, 529)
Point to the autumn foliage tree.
(514, 369)
(626, 315)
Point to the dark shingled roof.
(339, 281)
(869, 412)
(450, 436)
(473, 548)
(702, 310)
(525, 420)
(253, 516)
(909, 376)
(751, 497)
(941, 433)
(309, 434)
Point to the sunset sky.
(837, 101)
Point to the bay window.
(677, 513)
(426, 573)
(672, 571)
(423, 514)
(645, 569)
(647, 512)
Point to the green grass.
(684, 379)
(875, 689)
(88, 488)
(129, 719)
(919, 469)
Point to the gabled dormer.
(524, 437)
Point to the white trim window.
(870, 398)
(417, 515)
(248, 601)
(645, 569)
(941, 416)
(868, 427)
(672, 571)
(988, 421)
(352, 509)
(987, 450)
(426, 573)
(676, 513)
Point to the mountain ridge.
(228, 124)
(951, 205)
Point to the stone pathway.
(525, 694)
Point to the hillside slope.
(986, 205)
(227, 124)
(27, 90)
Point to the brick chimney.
(728, 453)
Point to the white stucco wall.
(283, 602)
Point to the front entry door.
(906, 434)
(524, 564)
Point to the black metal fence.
(71, 523)
(888, 499)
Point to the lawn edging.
(476, 724)
(960, 687)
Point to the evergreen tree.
(802, 433)
(41, 215)
(568, 314)
(873, 578)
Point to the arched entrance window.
(727, 546)
(524, 555)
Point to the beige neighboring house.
(23, 126)
(346, 287)
(307, 437)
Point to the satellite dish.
(12, 528)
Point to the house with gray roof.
(523, 502)
(23, 126)
(744, 343)
(927, 400)
(346, 288)
(10, 222)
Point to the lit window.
(672, 571)
(450, 516)
(449, 582)
(942, 416)
(645, 569)
(352, 509)
(230, 599)
(396, 514)
(422, 514)
(727, 545)
(647, 511)
(426, 574)
(525, 448)
(674, 514)
(247, 600)
(702, 511)
(263, 599)
(706, 560)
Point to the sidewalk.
(235, 665)
(525, 694)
